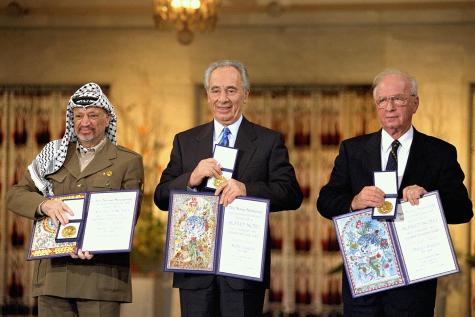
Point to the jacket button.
(79, 185)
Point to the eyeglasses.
(397, 100)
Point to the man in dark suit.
(424, 163)
(262, 170)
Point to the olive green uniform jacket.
(105, 276)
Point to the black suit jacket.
(262, 165)
(432, 164)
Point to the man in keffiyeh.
(86, 159)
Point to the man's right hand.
(57, 210)
(369, 196)
(206, 168)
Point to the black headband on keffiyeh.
(53, 154)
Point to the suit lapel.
(204, 142)
(415, 162)
(245, 143)
(201, 149)
(373, 152)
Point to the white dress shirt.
(402, 152)
(233, 128)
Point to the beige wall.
(149, 69)
(153, 77)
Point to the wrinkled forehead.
(393, 84)
(227, 76)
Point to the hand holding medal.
(219, 180)
(206, 168)
(229, 190)
(225, 157)
(387, 182)
(369, 196)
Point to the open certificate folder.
(208, 238)
(380, 255)
(103, 222)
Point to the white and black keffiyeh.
(53, 154)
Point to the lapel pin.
(108, 173)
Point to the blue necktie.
(225, 137)
(392, 158)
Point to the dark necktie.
(392, 158)
(225, 137)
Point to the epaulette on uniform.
(122, 148)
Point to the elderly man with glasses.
(423, 163)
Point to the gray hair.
(240, 67)
(392, 71)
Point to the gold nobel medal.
(385, 208)
(69, 232)
(219, 180)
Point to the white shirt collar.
(405, 140)
(234, 127)
(94, 149)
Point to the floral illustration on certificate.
(370, 253)
(192, 232)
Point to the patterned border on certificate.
(192, 232)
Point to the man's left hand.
(413, 193)
(83, 255)
(229, 190)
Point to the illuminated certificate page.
(424, 240)
(110, 221)
(244, 230)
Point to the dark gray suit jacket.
(262, 165)
(432, 164)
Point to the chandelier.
(186, 16)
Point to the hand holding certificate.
(103, 222)
(379, 255)
(205, 237)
